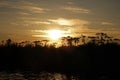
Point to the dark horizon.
(97, 59)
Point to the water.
(48, 76)
(32, 76)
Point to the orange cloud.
(106, 23)
(76, 9)
(69, 22)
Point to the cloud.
(62, 21)
(40, 31)
(32, 9)
(69, 22)
(40, 35)
(37, 22)
(45, 22)
(24, 6)
(76, 9)
(107, 23)
(5, 4)
(70, 3)
(23, 13)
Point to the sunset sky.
(32, 19)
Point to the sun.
(55, 34)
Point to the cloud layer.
(77, 16)
(77, 9)
(69, 22)
(23, 6)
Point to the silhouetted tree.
(8, 42)
(69, 40)
(83, 39)
(22, 44)
(2, 43)
(93, 39)
(45, 42)
(76, 40)
(109, 39)
(101, 38)
(117, 41)
(37, 43)
(63, 41)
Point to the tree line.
(98, 39)
(88, 56)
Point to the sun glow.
(55, 34)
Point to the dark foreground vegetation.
(96, 59)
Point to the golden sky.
(32, 19)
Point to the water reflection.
(32, 76)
